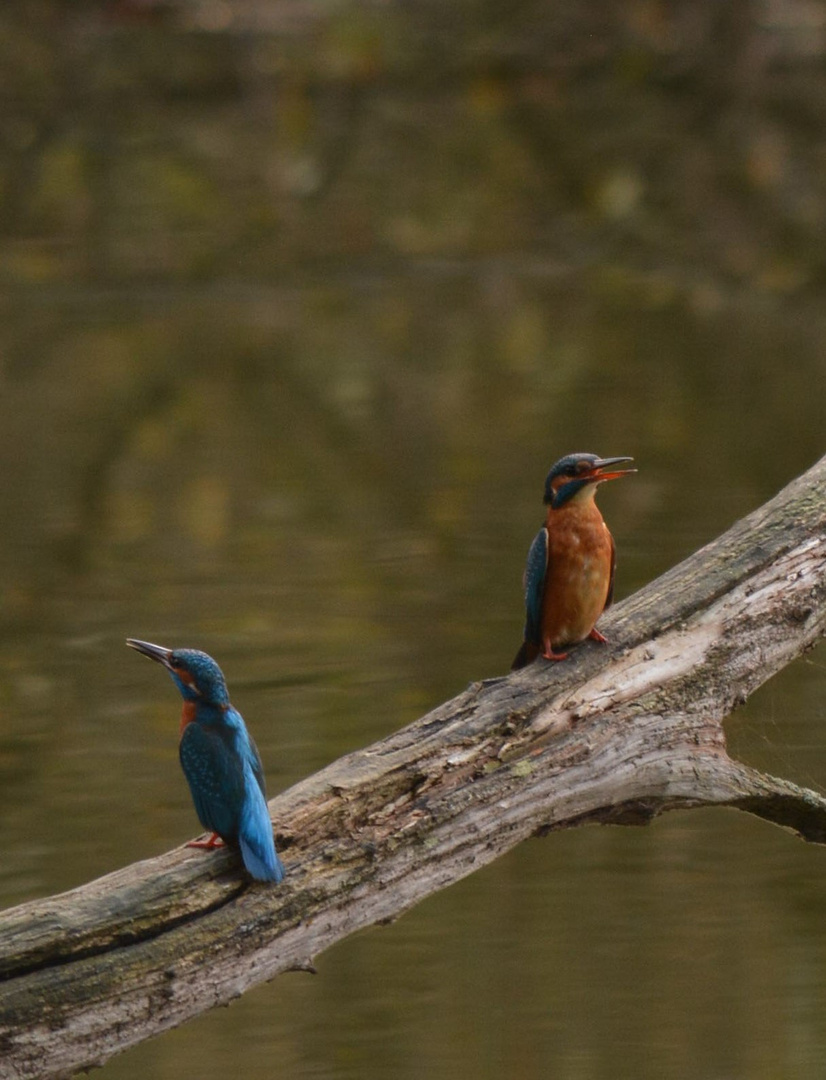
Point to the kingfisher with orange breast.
(220, 761)
(569, 576)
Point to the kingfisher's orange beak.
(596, 475)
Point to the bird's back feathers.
(223, 769)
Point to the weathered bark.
(617, 734)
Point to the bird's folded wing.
(536, 570)
(216, 778)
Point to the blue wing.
(254, 759)
(215, 776)
(255, 837)
(536, 570)
(254, 827)
(609, 599)
(223, 769)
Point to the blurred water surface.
(295, 406)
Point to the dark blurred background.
(300, 300)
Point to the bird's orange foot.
(597, 636)
(549, 654)
(213, 842)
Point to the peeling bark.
(618, 734)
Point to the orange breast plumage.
(580, 552)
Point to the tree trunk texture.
(618, 733)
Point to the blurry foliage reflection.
(138, 142)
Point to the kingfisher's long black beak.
(154, 652)
(596, 474)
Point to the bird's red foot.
(549, 654)
(597, 636)
(213, 842)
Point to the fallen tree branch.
(618, 734)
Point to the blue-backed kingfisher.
(220, 761)
(569, 576)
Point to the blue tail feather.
(263, 865)
(255, 837)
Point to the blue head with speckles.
(196, 674)
(576, 474)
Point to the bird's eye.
(184, 675)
